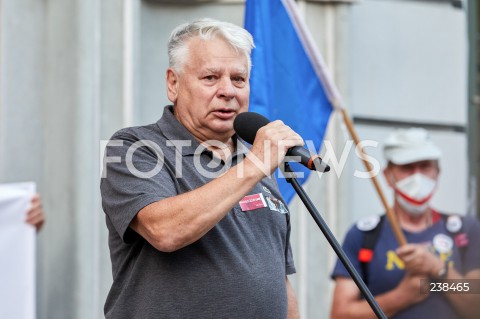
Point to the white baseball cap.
(405, 146)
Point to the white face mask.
(414, 193)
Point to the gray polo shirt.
(236, 270)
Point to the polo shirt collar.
(172, 129)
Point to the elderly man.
(190, 233)
(441, 247)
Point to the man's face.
(395, 173)
(211, 89)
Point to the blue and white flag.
(288, 80)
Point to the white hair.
(240, 39)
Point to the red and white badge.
(251, 202)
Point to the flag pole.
(335, 99)
(342, 256)
(399, 235)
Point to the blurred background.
(74, 71)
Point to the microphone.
(248, 123)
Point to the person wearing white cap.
(409, 281)
(412, 171)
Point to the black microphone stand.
(292, 179)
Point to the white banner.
(17, 251)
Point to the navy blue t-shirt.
(386, 269)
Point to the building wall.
(73, 72)
(408, 64)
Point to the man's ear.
(172, 85)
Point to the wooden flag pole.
(397, 231)
(335, 99)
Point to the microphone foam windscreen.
(247, 124)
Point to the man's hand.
(410, 288)
(35, 215)
(419, 260)
(271, 144)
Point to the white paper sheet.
(17, 251)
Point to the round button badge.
(454, 223)
(442, 243)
